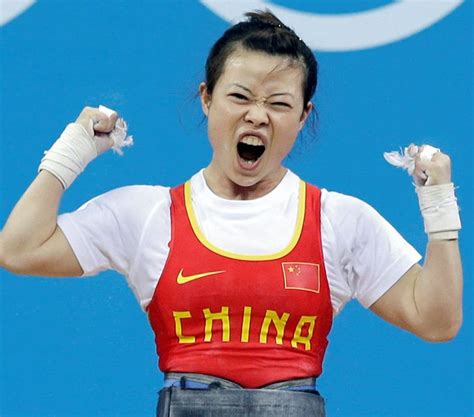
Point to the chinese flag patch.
(301, 276)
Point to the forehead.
(258, 69)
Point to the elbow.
(6, 260)
(3, 261)
(444, 333)
(10, 260)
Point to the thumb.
(420, 173)
(103, 123)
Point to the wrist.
(69, 155)
(439, 208)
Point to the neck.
(226, 188)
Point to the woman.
(242, 269)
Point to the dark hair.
(263, 32)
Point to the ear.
(305, 114)
(205, 98)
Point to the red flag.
(301, 276)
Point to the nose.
(257, 114)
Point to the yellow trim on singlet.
(209, 245)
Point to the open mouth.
(250, 149)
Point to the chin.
(244, 179)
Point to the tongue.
(248, 156)
(249, 152)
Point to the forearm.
(438, 291)
(33, 220)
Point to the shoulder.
(132, 194)
(354, 224)
(344, 206)
(126, 209)
(132, 199)
(354, 220)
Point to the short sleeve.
(105, 232)
(366, 255)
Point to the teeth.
(252, 140)
(249, 162)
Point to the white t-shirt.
(128, 230)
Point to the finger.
(420, 172)
(441, 157)
(111, 114)
(103, 123)
(103, 142)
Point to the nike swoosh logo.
(181, 279)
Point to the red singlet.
(254, 320)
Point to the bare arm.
(31, 243)
(427, 301)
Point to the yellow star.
(291, 269)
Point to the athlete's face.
(254, 115)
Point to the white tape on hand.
(70, 154)
(427, 152)
(440, 211)
(108, 112)
(75, 148)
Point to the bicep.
(53, 258)
(397, 306)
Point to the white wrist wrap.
(70, 154)
(75, 148)
(440, 211)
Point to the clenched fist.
(98, 124)
(430, 169)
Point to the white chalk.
(406, 159)
(119, 135)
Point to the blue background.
(82, 347)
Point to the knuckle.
(443, 160)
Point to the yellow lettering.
(305, 340)
(246, 324)
(178, 316)
(279, 323)
(223, 316)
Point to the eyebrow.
(250, 91)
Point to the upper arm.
(54, 257)
(397, 306)
(106, 232)
(372, 255)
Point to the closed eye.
(238, 96)
(281, 104)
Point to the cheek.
(222, 122)
(287, 132)
(219, 135)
